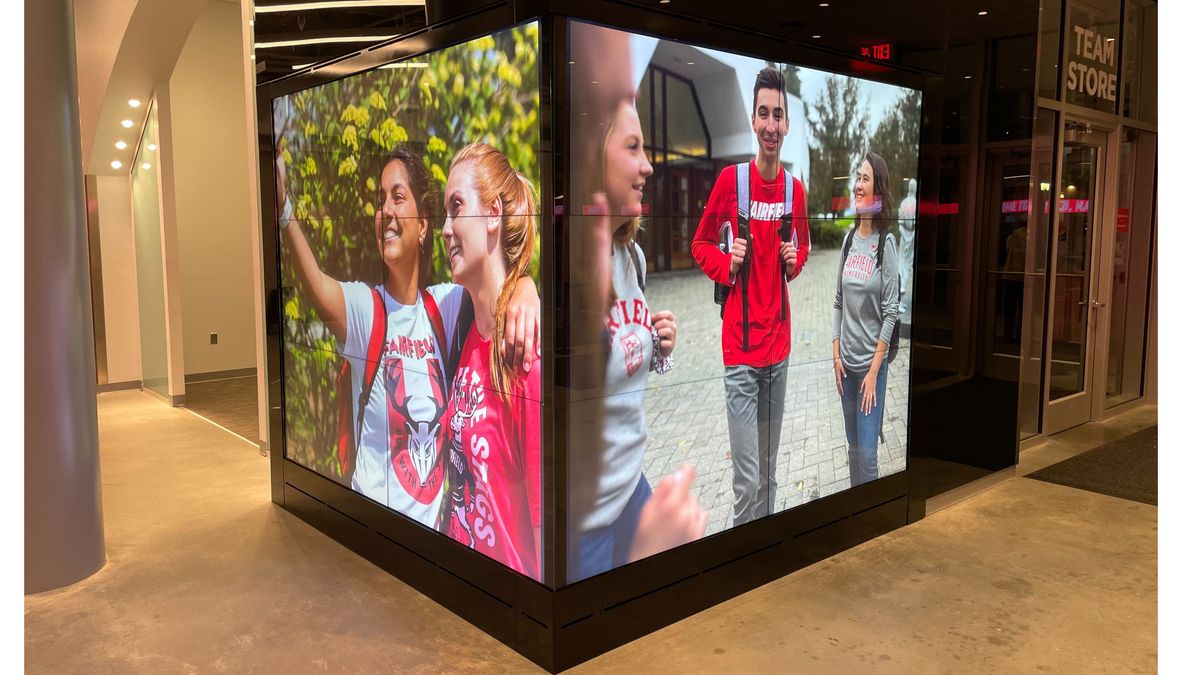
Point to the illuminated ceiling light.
(344, 4)
(135, 103)
(1044, 187)
(1061, 196)
(146, 165)
(823, 4)
(152, 147)
(127, 123)
(416, 64)
(116, 164)
(324, 40)
(1070, 187)
(691, 63)
(816, 37)
(121, 145)
(983, 12)
(664, 2)
(966, 77)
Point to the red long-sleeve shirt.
(770, 335)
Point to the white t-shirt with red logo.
(503, 446)
(399, 460)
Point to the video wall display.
(740, 255)
(409, 223)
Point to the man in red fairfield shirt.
(756, 336)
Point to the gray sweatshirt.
(609, 434)
(866, 304)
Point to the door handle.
(1097, 304)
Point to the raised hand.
(672, 516)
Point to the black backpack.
(894, 343)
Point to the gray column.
(64, 530)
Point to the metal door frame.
(1084, 406)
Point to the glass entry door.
(1075, 292)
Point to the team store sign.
(1092, 68)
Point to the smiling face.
(469, 224)
(865, 200)
(399, 227)
(625, 166)
(770, 122)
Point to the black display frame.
(556, 625)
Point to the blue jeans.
(862, 429)
(604, 548)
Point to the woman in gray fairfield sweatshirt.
(865, 310)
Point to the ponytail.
(495, 177)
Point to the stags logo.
(633, 352)
(414, 427)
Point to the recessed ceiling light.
(691, 63)
(823, 4)
(135, 103)
(116, 164)
(146, 165)
(127, 123)
(983, 12)
(152, 147)
(816, 37)
(121, 145)
(664, 2)
(966, 77)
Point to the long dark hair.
(882, 187)
(421, 186)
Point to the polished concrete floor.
(205, 575)
(231, 402)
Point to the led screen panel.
(408, 202)
(740, 256)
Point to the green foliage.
(828, 233)
(837, 136)
(334, 147)
(896, 140)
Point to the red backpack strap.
(435, 317)
(379, 324)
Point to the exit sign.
(883, 51)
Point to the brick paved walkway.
(686, 408)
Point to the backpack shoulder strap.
(378, 335)
(743, 189)
(435, 318)
(637, 265)
(466, 317)
(379, 324)
(845, 254)
(788, 193)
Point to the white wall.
(122, 338)
(212, 193)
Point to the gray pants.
(754, 405)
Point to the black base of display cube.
(559, 629)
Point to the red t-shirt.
(770, 335)
(503, 446)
